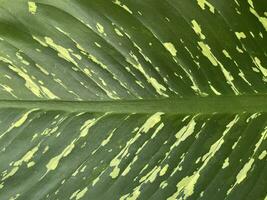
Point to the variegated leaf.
(131, 99)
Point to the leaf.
(133, 99)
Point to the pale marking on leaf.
(30, 164)
(186, 131)
(42, 69)
(48, 93)
(86, 126)
(257, 62)
(97, 178)
(239, 50)
(242, 174)
(117, 2)
(62, 52)
(206, 51)
(158, 87)
(128, 168)
(240, 35)
(187, 184)
(253, 116)
(196, 27)
(14, 197)
(100, 28)
(149, 177)
(11, 173)
(247, 167)
(251, 33)
(157, 130)
(242, 75)
(163, 184)
(9, 90)
(74, 194)
(144, 56)
(108, 92)
(32, 7)
(60, 30)
(227, 55)
(87, 72)
(105, 141)
(216, 146)
(22, 59)
(171, 48)
(164, 170)
(18, 122)
(53, 163)
(77, 56)
(27, 157)
(150, 123)
(250, 2)
(97, 44)
(81, 193)
(6, 60)
(262, 20)
(262, 138)
(182, 135)
(134, 196)
(203, 3)
(29, 83)
(226, 163)
(118, 32)
(214, 90)
(45, 149)
(263, 155)
(39, 40)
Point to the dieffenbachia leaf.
(131, 99)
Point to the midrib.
(220, 104)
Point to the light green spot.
(123, 6)
(262, 20)
(206, 51)
(263, 155)
(171, 48)
(62, 52)
(258, 64)
(196, 27)
(100, 28)
(243, 173)
(226, 163)
(32, 7)
(226, 54)
(240, 35)
(203, 3)
(118, 32)
(163, 170)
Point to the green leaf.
(130, 99)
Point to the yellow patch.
(62, 52)
(123, 6)
(100, 28)
(203, 3)
(196, 27)
(171, 48)
(32, 7)
(30, 84)
(240, 35)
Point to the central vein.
(219, 104)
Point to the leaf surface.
(132, 100)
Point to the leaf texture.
(130, 99)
